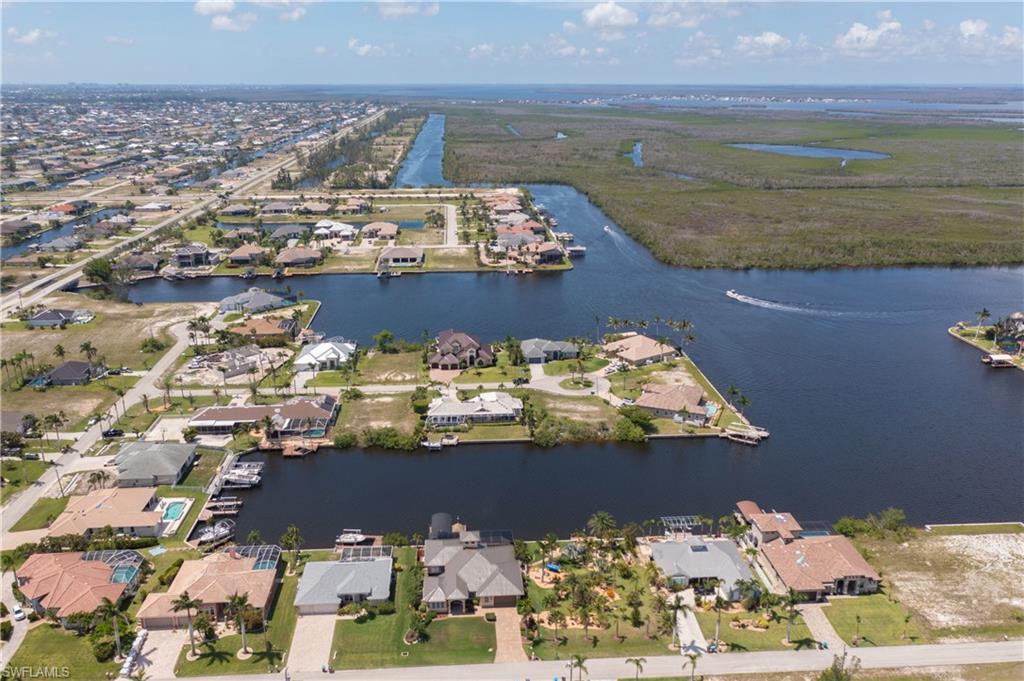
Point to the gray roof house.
(699, 560)
(540, 350)
(148, 464)
(73, 372)
(55, 317)
(327, 585)
(286, 232)
(457, 574)
(253, 300)
(63, 243)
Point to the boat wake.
(780, 307)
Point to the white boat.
(732, 294)
(431, 446)
(220, 531)
(576, 251)
(608, 229)
(351, 536)
(242, 479)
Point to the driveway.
(510, 640)
(311, 644)
(691, 639)
(161, 650)
(821, 629)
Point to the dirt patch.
(678, 376)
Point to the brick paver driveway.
(510, 641)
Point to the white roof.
(497, 403)
(334, 348)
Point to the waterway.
(814, 152)
(869, 401)
(637, 155)
(422, 165)
(67, 229)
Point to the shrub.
(104, 650)
(390, 438)
(153, 345)
(168, 575)
(638, 416)
(386, 608)
(491, 617)
(395, 539)
(6, 630)
(3, 610)
(626, 430)
(345, 440)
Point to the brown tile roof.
(213, 580)
(811, 563)
(116, 507)
(638, 348)
(675, 398)
(783, 523)
(66, 583)
(747, 509)
(247, 251)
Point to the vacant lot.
(398, 367)
(590, 409)
(378, 411)
(452, 259)
(77, 402)
(958, 586)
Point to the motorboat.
(220, 531)
(608, 229)
(431, 446)
(576, 251)
(238, 478)
(351, 536)
(733, 294)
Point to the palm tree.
(637, 662)
(789, 602)
(107, 610)
(98, 478)
(601, 524)
(188, 604)
(87, 349)
(293, 541)
(577, 662)
(555, 617)
(58, 351)
(719, 605)
(254, 537)
(983, 315)
(238, 606)
(677, 607)
(691, 663)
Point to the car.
(113, 372)
(31, 457)
(17, 613)
(94, 420)
(113, 432)
(520, 381)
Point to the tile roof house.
(668, 401)
(242, 233)
(697, 560)
(60, 244)
(246, 254)
(286, 232)
(489, 407)
(142, 261)
(214, 579)
(148, 464)
(298, 256)
(276, 208)
(380, 230)
(401, 256)
(540, 350)
(309, 416)
(457, 573)
(546, 252)
(636, 349)
(130, 511)
(70, 583)
(251, 301)
(766, 527)
(326, 355)
(820, 566)
(336, 230)
(327, 585)
(192, 255)
(459, 350)
(236, 209)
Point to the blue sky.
(290, 41)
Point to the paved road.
(939, 655)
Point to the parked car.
(31, 457)
(113, 432)
(17, 613)
(520, 381)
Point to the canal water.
(67, 229)
(422, 165)
(870, 403)
(814, 152)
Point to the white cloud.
(558, 46)
(973, 28)
(293, 14)
(118, 40)
(30, 37)
(569, 27)
(361, 49)
(394, 9)
(687, 14)
(482, 50)
(767, 44)
(208, 7)
(862, 40)
(699, 49)
(236, 23)
(609, 14)
(320, 50)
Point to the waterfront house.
(380, 230)
(242, 234)
(265, 327)
(489, 407)
(73, 583)
(149, 464)
(820, 566)
(315, 208)
(61, 244)
(546, 253)
(636, 349)
(73, 372)
(327, 585)
(696, 560)
(277, 208)
(287, 232)
(121, 220)
(76, 207)
(247, 254)
(237, 209)
(191, 255)
(54, 317)
(130, 511)
(251, 301)
(354, 205)
(511, 240)
(243, 570)
(298, 256)
(401, 256)
(541, 350)
(670, 401)
(154, 207)
(17, 227)
(238, 361)
(326, 355)
(459, 350)
(337, 230)
(299, 416)
(142, 262)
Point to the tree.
(293, 541)
(99, 478)
(99, 271)
(577, 662)
(719, 605)
(840, 670)
(601, 524)
(58, 351)
(188, 604)
(677, 607)
(691, 662)
(254, 538)
(383, 340)
(983, 315)
(90, 352)
(789, 602)
(637, 662)
(238, 606)
(107, 610)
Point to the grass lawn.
(627, 384)
(78, 402)
(427, 236)
(186, 525)
(452, 259)
(379, 642)
(575, 383)
(201, 234)
(495, 431)
(269, 649)
(378, 411)
(881, 621)
(41, 514)
(561, 367)
(743, 640)
(205, 467)
(398, 367)
(990, 528)
(50, 647)
(635, 644)
(361, 261)
(501, 372)
(18, 475)
(138, 420)
(1004, 671)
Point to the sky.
(614, 41)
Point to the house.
(276, 208)
(327, 585)
(545, 253)
(247, 254)
(60, 245)
(17, 227)
(286, 232)
(353, 205)
(299, 416)
(767, 527)
(669, 401)
(637, 349)
(471, 566)
(214, 579)
(820, 566)
(76, 582)
(192, 255)
(121, 220)
(510, 241)
(699, 561)
(53, 317)
(459, 350)
(336, 230)
(401, 256)
(263, 327)
(299, 256)
(145, 262)
(238, 361)
(315, 208)
(236, 209)
(251, 301)
(131, 511)
(242, 234)
(540, 350)
(154, 207)
(149, 464)
(326, 355)
(380, 230)
(489, 407)
(73, 372)
(72, 207)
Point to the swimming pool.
(265, 565)
(173, 510)
(124, 574)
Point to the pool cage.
(680, 524)
(126, 565)
(355, 554)
(267, 555)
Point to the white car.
(17, 613)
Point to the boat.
(608, 229)
(742, 438)
(733, 294)
(431, 446)
(241, 479)
(350, 536)
(449, 440)
(576, 251)
(253, 466)
(998, 361)
(394, 274)
(220, 531)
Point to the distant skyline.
(610, 42)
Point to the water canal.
(869, 401)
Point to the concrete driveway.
(161, 650)
(311, 644)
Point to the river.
(869, 401)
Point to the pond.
(637, 155)
(814, 152)
(67, 229)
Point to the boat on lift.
(220, 531)
(350, 536)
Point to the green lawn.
(743, 640)
(138, 420)
(378, 411)
(205, 467)
(990, 528)
(18, 475)
(378, 368)
(561, 367)
(50, 647)
(575, 383)
(635, 644)
(269, 649)
(41, 514)
(495, 431)
(501, 372)
(379, 642)
(881, 621)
